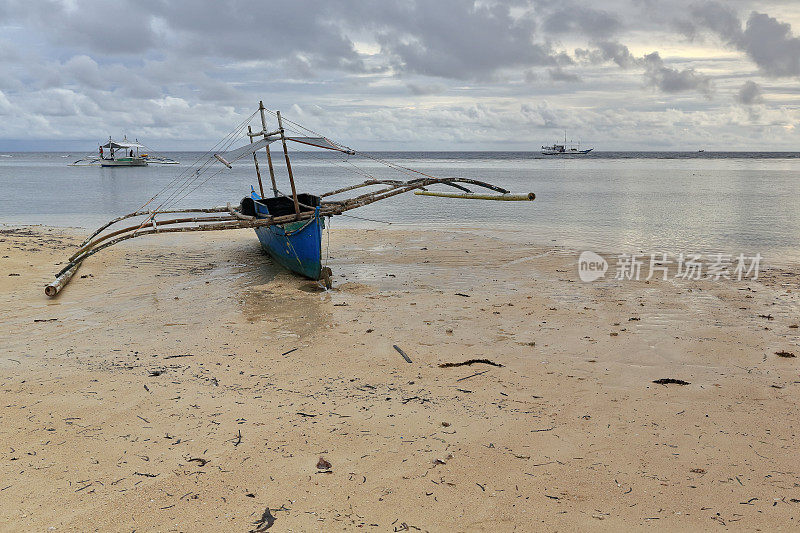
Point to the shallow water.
(636, 202)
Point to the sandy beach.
(186, 384)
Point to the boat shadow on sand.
(271, 294)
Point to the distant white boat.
(565, 149)
(123, 153)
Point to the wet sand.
(185, 384)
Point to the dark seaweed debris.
(783, 353)
(668, 381)
(264, 523)
(470, 362)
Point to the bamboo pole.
(288, 165)
(472, 196)
(381, 195)
(367, 199)
(61, 281)
(447, 181)
(271, 172)
(91, 244)
(150, 212)
(255, 161)
(452, 182)
(395, 185)
(223, 224)
(233, 224)
(238, 214)
(269, 155)
(351, 187)
(414, 184)
(223, 161)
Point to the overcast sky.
(404, 74)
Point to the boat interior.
(279, 205)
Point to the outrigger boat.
(565, 149)
(122, 153)
(289, 226)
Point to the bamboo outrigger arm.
(215, 224)
(359, 185)
(472, 196)
(65, 274)
(150, 212)
(91, 244)
(452, 182)
(234, 219)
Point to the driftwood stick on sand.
(472, 375)
(401, 352)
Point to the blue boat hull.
(297, 246)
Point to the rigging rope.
(189, 180)
(183, 176)
(390, 164)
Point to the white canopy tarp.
(318, 142)
(123, 144)
(238, 153)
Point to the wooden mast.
(269, 156)
(288, 165)
(255, 160)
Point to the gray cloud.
(462, 40)
(768, 42)
(672, 80)
(303, 31)
(771, 45)
(84, 70)
(362, 70)
(749, 93)
(425, 89)
(608, 51)
(559, 74)
(719, 18)
(656, 73)
(457, 39)
(121, 27)
(573, 18)
(5, 105)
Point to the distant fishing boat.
(565, 149)
(288, 226)
(122, 153)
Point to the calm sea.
(609, 202)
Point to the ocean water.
(612, 202)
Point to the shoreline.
(505, 232)
(187, 382)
